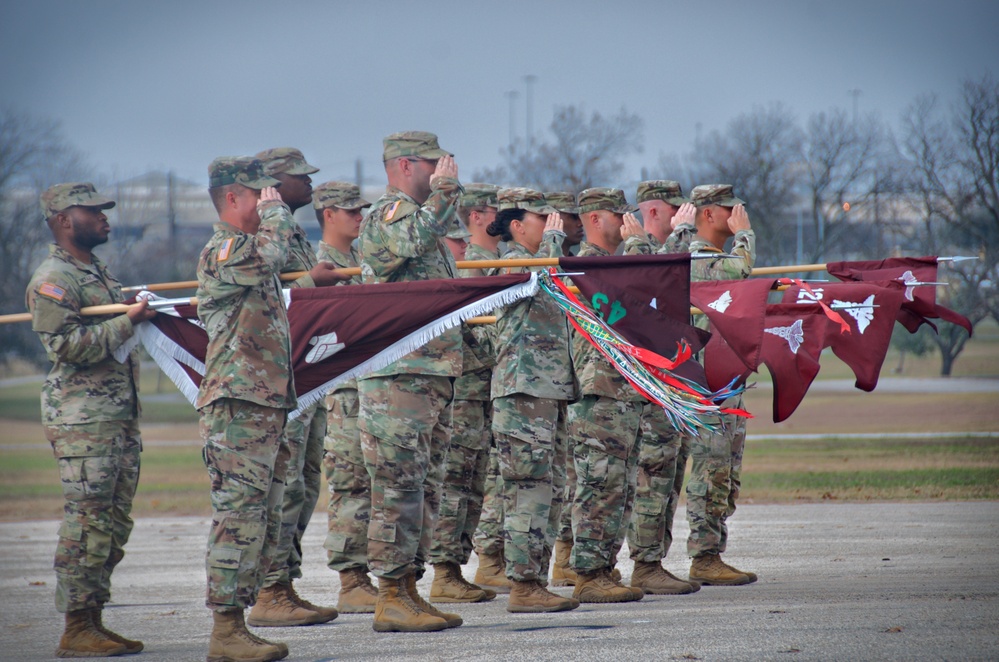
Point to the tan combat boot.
(131, 645)
(232, 642)
(562, 572)
(492, 573)
(396, 612)
(357, 594)
(450, 586)
(275, 608)
(709, 569)
(452, 620)
(530, 597)
(82, 639)
(653, 578)
(327, 613)
(598, 587)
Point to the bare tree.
(840, 158)
(582, 152)
(758, 154)
(33, 156)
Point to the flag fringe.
(167, 354)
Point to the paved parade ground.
(894, 581)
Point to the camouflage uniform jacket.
(532, 338)
(641, 245)
(722, 268)
(243, 310)
(86, 383)
(402, 241)
(679, 240)
(477, 354)
(301, 257)
(595, 373)
(341, 260)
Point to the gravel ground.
(911, 581)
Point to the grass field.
(888, 467)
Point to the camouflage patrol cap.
(661, 189)
(523, 198)
(714, 194)
(244, 170)
(563, 201)
(73, 194)
(458, 230)
(419, 144)
(338, 194)
(610, 199)
(479, 195)
(288, 160)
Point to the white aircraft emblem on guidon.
(722, 303)
(862, 312)
(909, 281)
(794, 334)
(325, 347)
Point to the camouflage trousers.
(713, 486)
(349, 510)
(564, 532)
(301, 491)
(660, 476)
(527, 443)
(405, 423)
(464, 483)
(606, 434)
(246, 454)
(99, 472)
(489, 534)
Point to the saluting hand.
(554, 222)
(739, 220)
(631, 227)
(269, 193)
(445, 168)
(684, 215)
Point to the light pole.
(512, 97)
(529, 81)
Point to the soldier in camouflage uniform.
(90, 411)
(478, 215)
(716, 458)
(246, 393)
(562, 573)
(405, 409)
(605, 426)
(532, 375)
(468, 458)
(278, 604)
(338, 208)
(663, 451)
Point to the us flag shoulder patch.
(226, 249)
(52, 291)
(392, 210)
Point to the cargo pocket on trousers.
(335, 542)
(223, 574)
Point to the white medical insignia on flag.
(325, 346)
(653, 303)
(794, 334)
(722, 303)
(862, 312)
(908, 279)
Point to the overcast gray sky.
(171, 85)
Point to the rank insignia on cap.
(52, 291)
(225, 250)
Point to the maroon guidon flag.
(870, 308)
(339, 332)
(920, 301)
(737, 310)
